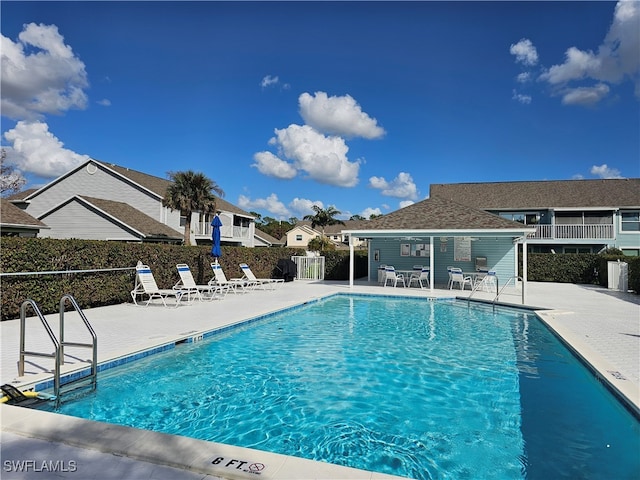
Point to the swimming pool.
(405, 386)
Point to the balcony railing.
(226, 231)
(573, 232)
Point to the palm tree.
(323, 217)
(191, 192)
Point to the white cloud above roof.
(586, 77)
(604, 171)
(321, 158)
(271, 204)
(402, 186)
(40, 74)
(37, 150)
(524, 52)
(338, 116)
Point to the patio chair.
(146, 285)
(272, 283)
(391, 276)
(488, 282)
(220, 280)
(420, 278)
(458, 277)
(449, 272)
(188, 285)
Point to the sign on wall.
(462, 249)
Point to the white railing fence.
(309, 268)
(574, 231)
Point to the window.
(183, 220)
(577, 250)
(631, 252)
(298, 238)
(524, 218)
(630, 222)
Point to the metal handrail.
(513, 277)
(93, 345)
(56, 354)
(56, 272)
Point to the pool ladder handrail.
(498, 290)
(59, 344)
(476, 287)
(513, 277)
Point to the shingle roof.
(159, 186)
(543, 194)
(437, 213)
(268, 238)
(134, 218)
(21, 195)
(10, 215)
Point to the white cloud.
(604, 171)
(269, 164)
(302, 206)
(367, 212)
(269, 80)
(400, 187)
(104, 102)
(524, 52)
(338, 116)
(616, 60)
(524, 99)
(323, 158)
(271, 204)
(406, 203)
(585, 95)
(49, 79)
(524, 77)
(34, 149)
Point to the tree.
(357, 217)
(11, 181)
(191, 192)
(323, 217)
(320, 244)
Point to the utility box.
(618, 274)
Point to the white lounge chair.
(220, 279)
(420, 278)
(188, 285)
(260, 282)
(146, 285)
(391, 276)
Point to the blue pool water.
(427, 390)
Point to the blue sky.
(356, 105)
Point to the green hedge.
(585, 268)
(109, 288)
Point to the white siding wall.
(75, 220)
(291, 238)
(99, 185)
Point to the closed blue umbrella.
(215, 237)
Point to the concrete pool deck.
(602, 326)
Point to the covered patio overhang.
(440, 237)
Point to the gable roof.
(12, 216)
(126, 216)
(305, 227)
(265, 237)
(547, 194)
(437, 214)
